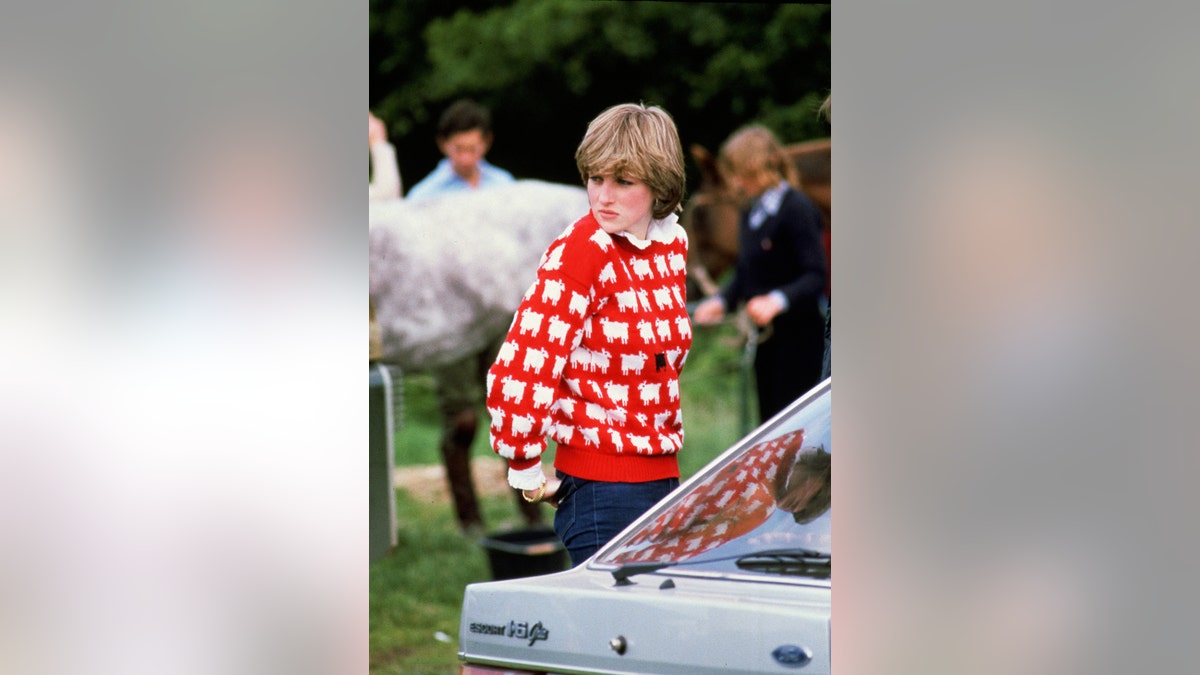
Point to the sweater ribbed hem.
(592, 465)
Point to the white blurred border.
(182, 282)
(1014, 355)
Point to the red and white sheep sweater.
(593, 356)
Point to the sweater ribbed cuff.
(526, 479)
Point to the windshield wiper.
(781, 561)
(794, 561)
(622, 573)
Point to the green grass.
(416, 590)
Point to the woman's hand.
(709, 311)
(763, 309)
(549, 496)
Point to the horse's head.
(711, 220)
(812, 162)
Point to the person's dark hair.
(807, 486)
(464, 115)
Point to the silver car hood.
(575, 621)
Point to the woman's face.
(620, 203)
(751, 183)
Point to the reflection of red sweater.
(592, 358)
(732, 503)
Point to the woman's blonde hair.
(754, 152)
(640, 141)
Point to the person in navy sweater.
(593, 356)
(780, 271)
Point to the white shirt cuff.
(526, 479)
(781, 299)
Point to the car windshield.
(769, 493)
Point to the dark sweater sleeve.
(803, 222)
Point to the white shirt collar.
(768, 204)
(663, 230)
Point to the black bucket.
(525, 552)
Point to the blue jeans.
(590, 513)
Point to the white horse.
(447, 274)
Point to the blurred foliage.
(547, 67)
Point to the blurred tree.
(547, 67)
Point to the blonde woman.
(780, 271)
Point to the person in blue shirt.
(464, 135)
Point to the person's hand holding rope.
(759, 313)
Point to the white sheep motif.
(578, 304)
(552, 291)
(632, 363)
(590, 436)
(514, 390)
(563, 433)
(649, 392)
(531, 322)
(581, 358)
(535, 360)
(553, 259)
(616, 440)
(642, 443)
(618, 393)
(507, 351)
(673, 357)
(664, 328)
(543, 396)
(521, 424)
(645, 331)
(641, 267)
(627, 300)
(683, 326)
(608, 274)
(600, 360)
(602, 239)
(660, 264)
(617, 416)
(615, 330)
(573, 385)
(557, 332)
